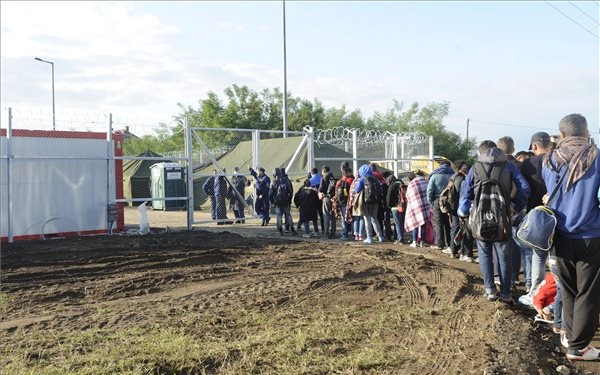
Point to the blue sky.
(513, 68)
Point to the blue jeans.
(284, 212)
(538, 267)
(485, 250)
(359, 226)
(399, 224)
(415, 233)
(526, 254)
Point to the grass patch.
(340, 339)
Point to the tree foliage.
(244, 108)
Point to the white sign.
(173, 175)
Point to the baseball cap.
(540, 137)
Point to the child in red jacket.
(543, 297)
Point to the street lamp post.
(53, 107)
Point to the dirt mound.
(222, 303)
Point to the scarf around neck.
(577, 153)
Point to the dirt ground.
(55, 288)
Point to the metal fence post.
(395, 155)
(431, 152)
(311, 148)
(255, 148)
(190, 174)
(9, 156)
(355, 151)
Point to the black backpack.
(448, 200)
(372, 191)
(341, 192)
(393, 193)
(283, 196)
(489, 219)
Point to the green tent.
(274, 153)
(136, 177)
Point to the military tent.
(136, 176)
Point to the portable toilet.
(167, 180)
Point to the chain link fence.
(92, 173)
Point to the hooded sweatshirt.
(364, 171)
(493, 156)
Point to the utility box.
(167, 180)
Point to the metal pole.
(53, 106)
(8, 177)
(285, 104)
(467, 129)
(190, 174)
(110, 179)
(431, 153)
(395, 154)
(354, 151)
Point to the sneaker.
(497, 280)
(588, 354)
(413, 244)
(306, 235)
(454, 256)
(398, 242)
(439, 248)
(490, 296)
(447, 251)
(476, 260)
(467, 259)
(526, 300)
(424, 244)
(508, 300)
(343, 238)
(381, 239)
(563, 340)
(369, 240)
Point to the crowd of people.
(459, 207)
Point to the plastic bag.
(144, 226)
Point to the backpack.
(449, 197)
(393, 194)
(283, 196)
(299, 197)
(372, 190)
(341, 192)
(402, 198)
(489, 219)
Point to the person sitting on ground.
(544, 296)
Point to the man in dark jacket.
(534, 261)
(209, 189)
(437, 182)
(262, 184)
(281, 196)
(221, 193)
(464, 248)
(493, 159)
(237, 194)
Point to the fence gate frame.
(192, 134)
